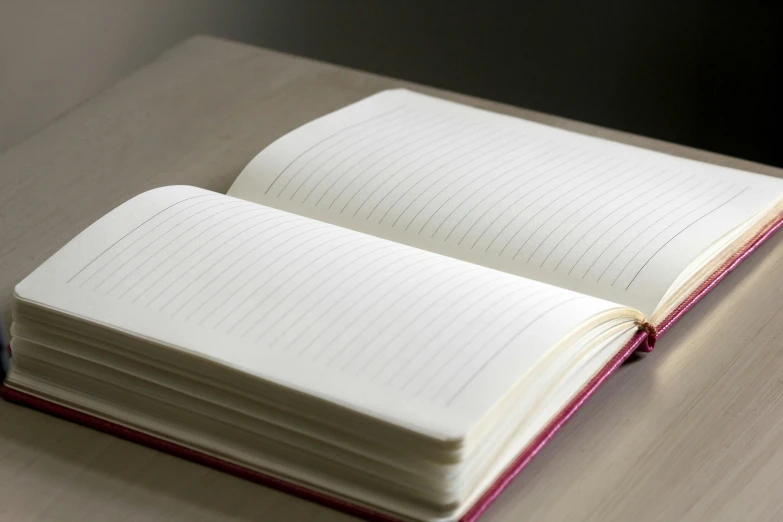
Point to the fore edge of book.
(5, 354)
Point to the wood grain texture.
(693, 431)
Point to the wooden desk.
(694, 431)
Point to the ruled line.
(386, 312)
(379, 139)
(407, 327)
(429, 264)
(258, 212)
(381, 131)
(550, 168)
(514, 157)
(381, 151)
(659, 207)
(452, 137)
(511, 170)
(179, 249)
(453, 355)
(154, 241)
(410, 139)
(496, 314)
(227, 254)
(348, 293)
(502, 348)
(548, 206)
(269, 294)
(507, 208)
(309, 242)
(639, 188)
(380, 247)
(636, 237)
(547, 182)
(442, 154)
(312, 290)
(522, 227)
(619, 186)
(675, 236)
(424, 144)
(126, 236)
(578, 197)
(318, 155)
(327, 138)
(483, 143)
(631, 209)
(437, 180)
(271, 276)
(488, 291)
(297, 225)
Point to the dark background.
(701, 73)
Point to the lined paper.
(340, 312)
(614, 221)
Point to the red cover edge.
(638, 342)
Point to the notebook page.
(422, 340)
(582, 213)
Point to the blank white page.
(419, 339)
(611, 220)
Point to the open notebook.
(392, 309)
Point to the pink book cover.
(643, 341)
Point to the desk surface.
(693, 431)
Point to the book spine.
(651, 336)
